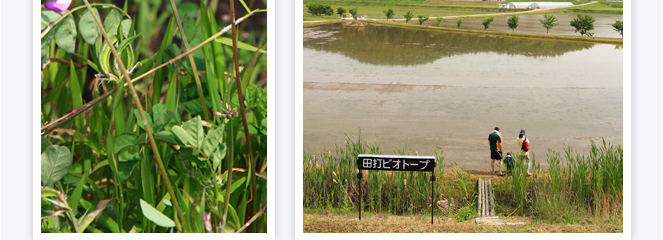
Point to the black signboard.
(396, 163)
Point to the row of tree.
(582, 23)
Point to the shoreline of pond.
(614, 41)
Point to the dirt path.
(480, 15)
(325, 222)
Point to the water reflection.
(390, 46)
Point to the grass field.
(601, 7)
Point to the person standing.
(523, 153)
(495, 142)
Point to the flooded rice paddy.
(419, 89)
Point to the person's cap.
(508, 154)
(497, 128)
(522, 131)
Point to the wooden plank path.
(486, 205)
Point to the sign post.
(397, 163)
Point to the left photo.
(153, 117)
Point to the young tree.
(486, 22)
(389, 14)
(408, 16)
(329, 11)
(438, 19)
(319, 9)
(513, 22)
(548, 21)
(353, 12)
(583, 24)
(459, 22)
(422, 19)
(619, 27)
(340, 11)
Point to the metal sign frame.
(397, 163)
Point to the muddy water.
(531, 24)
(420, 89)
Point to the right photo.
(446, 116)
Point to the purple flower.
(58, 6)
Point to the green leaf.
(47, 17)
(55, 163)
(166, 137)
(88, 28)
(140, 121)
(112, 22)
(85, 221)
(240, 45)
(65, 35)
(76, 95)
(76, 195)
(130, 154)
(181, 135)
(194, 128)
(45, 46)
(126, 27)
(218, 156)
(44, 144)
(127, 139)
(211, 141)
(155, 216)
(124, 168)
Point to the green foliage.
(438, 20)
(549, 21)
(459, 22)
(408, 16)
(486, 22)
(583, 24)
(320, 9)
(353, 11)
(512, 22)
(422, 19)
(619, 27)
(340, 11)
(102, 173)
(389, 13)
(466, 212)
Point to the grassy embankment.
(600, 7)
(576, 189)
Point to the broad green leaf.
(112, 22)
(65, 34)
(155, 216)
(131, 153)
(240, 45)
(218, 156)
(47, 17)
(164, 121)
(194, 128)
(44, 144)
(126, 27)
(55, 163)
(127, 139)
(158, 110)
(211, 141)
(76, 195)
(140, 121)
(181, 135)
(194, 107)
(88, 28)
(124, 168)
(166, 137)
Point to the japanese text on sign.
(395, 163)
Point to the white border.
(299, 130)
(36, 210)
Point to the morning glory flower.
(58, 6)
